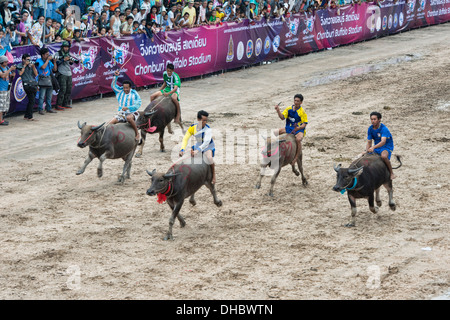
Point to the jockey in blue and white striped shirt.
(129, 103)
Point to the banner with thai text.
(208, 49)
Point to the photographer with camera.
(45, 66)
(64, 75)
(28, 73)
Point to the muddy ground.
(80, 237)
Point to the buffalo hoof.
(296, 172)
(218, 203)
(392, 206)
(193, 202)
(304, 182)
(138, 155)
(162, 150)
(168, 236)
(374, 209)
(257, 186)
(79, 172)
(350, 225)
(379, 203)
(99, 173)
(270, 194)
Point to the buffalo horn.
(170, 175)
(81, 126)
(148, 114)
(151, 173)
(356, 170)
(336, 168)
(97, 127)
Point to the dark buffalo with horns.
(361, 179)
(154, 119)
(277, 154)
(108, 142)
(179, 182)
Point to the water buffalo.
(277, 154)
(154, 119)
(108, 142)
(364, 176)
(181, 181)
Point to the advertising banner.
(207, 49)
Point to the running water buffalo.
(181, 181)
(154, 119)
(108, 142)
(364, 176)
(278, 154)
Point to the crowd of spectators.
(24, 22)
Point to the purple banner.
(208, 49)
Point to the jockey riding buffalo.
(108, 142)
(179, 182)
(277, 154)
(154, 119)
(364, 176)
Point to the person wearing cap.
(64, 62)
(5, 75)
(192, 13)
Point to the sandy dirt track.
(80, 237)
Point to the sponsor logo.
(249, 48)
(309, 24)
(258, 46)
(267, 45)
(378, 23)
(19, 91)
(422, 5)
(384, 22)
(276, 43)
(86, 59)
(293, 28)
(395, 20)
(118, 54)
(400, 19)
(230, 53)
(390, 21)
(411, 5)
(240, 50)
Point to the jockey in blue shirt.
(129, 103)
(382, 137)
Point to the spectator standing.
(127, 27)
(67, 33)
(22, 29)
(173, 17)
(126, 4)
(64, 63)
(45, 66)
(49, 35)
(201, 17)
(141, 15)
(184, 21)
(5, 75)
(192, 13)
(99, 5)
(35, 34)
(62, 9)
(28, 8)
(113, 5)
(114, 22)
(28, 73)
(103, 22)
(38, 8)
